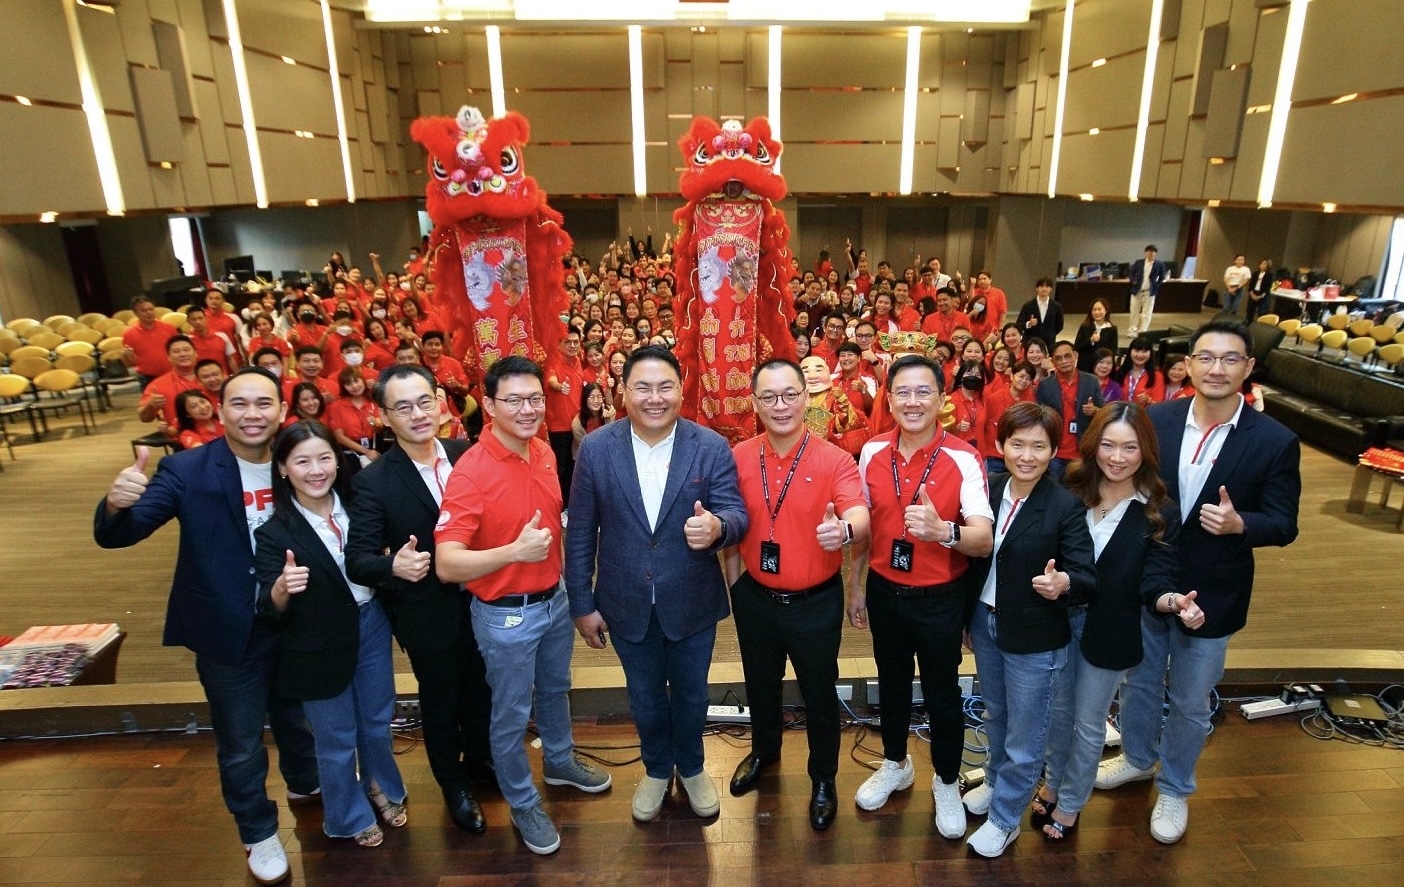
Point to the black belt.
(921, 590)
(781, 596)
(993, 611)
(523, 600)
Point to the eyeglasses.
(922, 392)
(667, 389)
(514, 403)
(405, 409)
(1230, 360)
(787, 397)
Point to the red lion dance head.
(733, 263)
(495, 254)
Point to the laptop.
(1356, 710)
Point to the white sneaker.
(1118, 771)
(648, 798)
(267, 861)
(701, 794)
(950, 814)
(890, 777)
(1113, 736)
(977, 800)
(990, 840)
(1169, 819)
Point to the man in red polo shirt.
(499, 531)
(805, 504)
(144, 342)
(158, 400)
(564, 377)
(221, 320)
(308, 368)
(210, 345)
(450, 373)
(946, 319)
(828, 346)
(930, 511)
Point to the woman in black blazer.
(1134, 527)
(334, 652)
(1042, 563)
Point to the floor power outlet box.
(728, 714)
(1270, 707)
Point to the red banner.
(495, 278)
(728, 247)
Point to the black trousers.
(455, 705)
(561, 444)
(808, 632)
(925, 631)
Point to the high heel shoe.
(370, 837)
(392, 814)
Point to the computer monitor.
(242, 267)
(173, 291)
(1090, 270)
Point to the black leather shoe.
(464, 810)
(747, 774)
(823, 804)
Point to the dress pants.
(455, 704)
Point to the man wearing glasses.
(805, 504)
(391, 547)
(930, 512)
(654, 499)
(1236, 474)
(499, 532)
(828, 346)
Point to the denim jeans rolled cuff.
(527, 651)
(352, 730)
(1018, 692)
(1183, 670)
(241, 700)
(667, 686)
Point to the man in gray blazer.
(653, 501)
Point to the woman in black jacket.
(1134, 527)
(334, 639)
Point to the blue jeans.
(1233, 298)
(1186, 669)
(1078, 727)
(1020, 684)
(240, 698)
(667, 682)
(527, 652)
(352, 730)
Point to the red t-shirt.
(942, 325)
(223, 322)
(150, 347)
(330, 390)
(169, 385)
(956, 486)
(997, 399)
(197, 437)
(212, 346)
(561, 409)
(352, 420)
(276, 343)
(970, 410)
(490, 496)
(1072, 412)
(825, 474)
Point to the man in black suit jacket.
(1053, 393)
(1146, 276)
(1236, 474)
(394, 510)
(1041, 317)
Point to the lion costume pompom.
(495, 254)
(732, 263)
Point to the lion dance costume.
(495, 254)
(732, 263)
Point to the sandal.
(370, 837)
(1060, 832)
(392, 814)
(1041, 810)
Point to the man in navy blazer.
(1053, 393)
(1146, 278)
(653, 501)
(220, 493)
(1236, 474)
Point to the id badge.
(770, 557)
(903, 551)
(1072, 428)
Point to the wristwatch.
(847, 532)
(955, 535)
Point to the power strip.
(1271, 707)
(728, 714)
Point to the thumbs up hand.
(1051, 584)
(1221, 519)
(923, 522)
(410, 564)
(831, 533)
(1089, 408)
(293, 577)
(703, 529)
(130, 483)
(534, 542)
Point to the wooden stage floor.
(1274, 806)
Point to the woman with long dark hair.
(1096, 331)
(334, 638)
(596, 411)
(1134, 527)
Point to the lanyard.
(1009, 518)
(336, 531)
(1199, 449)
(785, 487)
(921, 484)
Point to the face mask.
(405, 285)
(378, 314)
(343, 330)
(972, 383)
(353, 360)
(307, 318)
(277, 371)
